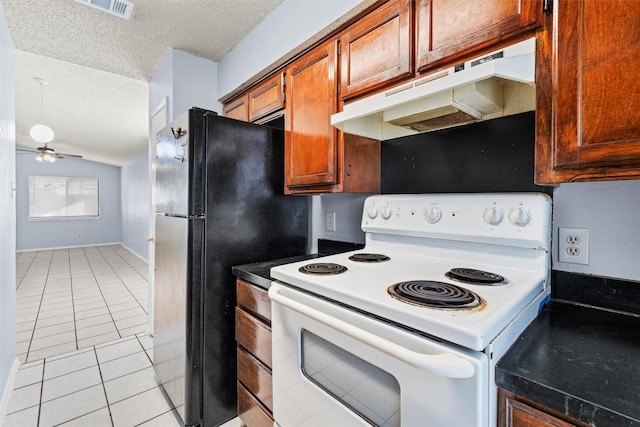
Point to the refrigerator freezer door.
(172, 168)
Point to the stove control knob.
(519, 216)
(493, 216)
(372, 212)
(433, 214)
(386, 212)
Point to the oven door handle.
(443, 365)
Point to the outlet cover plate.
(330, 221)
(573, 245)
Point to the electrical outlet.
(330, 221)
(573, 245)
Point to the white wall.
(64, 233)
(290, 24)
(7, 214)
(348, 209)
(611, 212)
(195, 83)
(134, 202)
(186, 81)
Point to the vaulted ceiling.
(97, 65)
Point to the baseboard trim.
(6, 394)
(134, 252)
(69, 247)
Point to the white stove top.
(427, 235)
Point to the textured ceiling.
(98, 65)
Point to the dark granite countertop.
(580, 360)
(258, 273)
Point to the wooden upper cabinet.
(447, 29)
(238, 109)
(266, 98)
(311, 151)
(378, 49)
(589, 120)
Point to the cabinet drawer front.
(254, 299)
(256, 378)
(253, 335)
(250, 411)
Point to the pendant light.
(41, 132)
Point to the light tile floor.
(109, 384)
(71, 304)
(69, 299)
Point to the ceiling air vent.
(119, 8)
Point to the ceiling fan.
(46, 153)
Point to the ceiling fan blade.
(26, 151)
(46, 148)
(78, 156)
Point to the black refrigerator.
(219, 203)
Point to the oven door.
(333, 366)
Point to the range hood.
(497, 84)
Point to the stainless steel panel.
(172, 168)
(169, 340)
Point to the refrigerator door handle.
(178, 132)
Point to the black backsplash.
(492, 156)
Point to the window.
(59, 197)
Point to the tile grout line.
(33, 331)
(119, 277)
(104, 389)
(73, 305)
(25, 271)
(41, 391)
(91, 267)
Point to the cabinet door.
(515, 411)
(266, 98)
(377, 50)
(447, 29)
(595, 120)
(237, 109)
(311, 152)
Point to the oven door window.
(365, 389)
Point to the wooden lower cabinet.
(253, 336)
(516, 411)
(251, 411)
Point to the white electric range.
(410, 328)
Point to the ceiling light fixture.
(46, 157)
(41, 133)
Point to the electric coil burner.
(468, 273)
(323, 268)
(366, 257)
(473, 276)
(427, 293)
